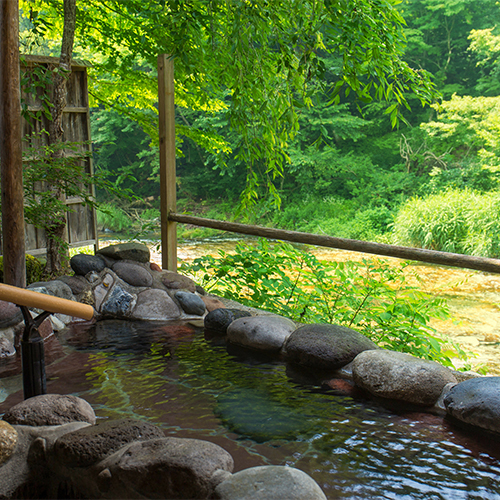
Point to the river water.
(473, 296)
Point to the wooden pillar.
(166, 110)
(14, 264)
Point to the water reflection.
(355, 448)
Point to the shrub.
(371, 297)
(460, 221)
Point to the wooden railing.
(169, 217)
(418, 254)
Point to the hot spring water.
(354, 447)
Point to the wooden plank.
(14, 262)
(419, 254)
(76, 64)
(166, 111)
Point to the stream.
(472, 296)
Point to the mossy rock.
(34, 269)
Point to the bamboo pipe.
(29, 298)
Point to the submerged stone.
(256, 414)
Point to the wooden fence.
(81, 226)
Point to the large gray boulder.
(78, 284)
(175, 281)
(83, 264)
(170, 468)
(395, 375)
(191, 303)
(262, 333)
(133, 273)
(154, 304)
(269, 483)
(324, 346)
(50, 409)
(10, 314)
(126, 251)
(90, 445)
(476, 402)
(55, 288)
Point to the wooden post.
(14, 263)
(166, 110)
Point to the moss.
(34, 269)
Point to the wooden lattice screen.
(81, 227)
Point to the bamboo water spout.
(48, 303)
(32, 346)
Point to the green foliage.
(460, 176)
(486, 46)
(371, 297)
(334, 216)
(437, 34)
(261, 62)
(123, 153)
(113, 218)
(34, 269)
(454, 221)
(467, 127)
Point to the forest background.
(354, 167)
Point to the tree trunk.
(57, 251)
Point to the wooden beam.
(14, 262)
(166, 110)
(418, 254)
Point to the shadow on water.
(262, 413)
